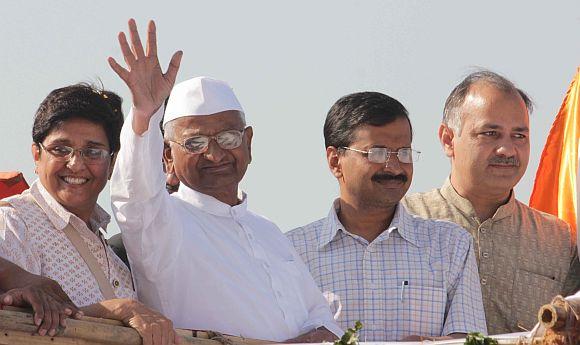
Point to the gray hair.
(452, 113)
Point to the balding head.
(453, 114)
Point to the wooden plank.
(8, 337)
(17, 327)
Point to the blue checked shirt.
(419, 277)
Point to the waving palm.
(148, 84)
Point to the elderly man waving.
(199, 255)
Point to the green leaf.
(350, 337)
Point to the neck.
(83, 214)
(366, 222)
(226, 195)
(485, 202)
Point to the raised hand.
(148, 84)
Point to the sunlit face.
(375, 185)
(491, 154)
(216, 170)
(74, 184)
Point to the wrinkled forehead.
(207, 124)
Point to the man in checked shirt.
(403, 277)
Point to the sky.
(288, 62)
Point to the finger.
(121, 72)
(55, 316)
(79, 314)
(127, 53)
(171, 73)
(167, 333)
(156, 331)
(46, 320)
(151, 39)
(164, 336)
(62, 320)
(136, 45)
(36, 304)
(73, 311)
(147, 338)
(5, 299)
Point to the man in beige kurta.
(525, 257)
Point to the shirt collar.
(402, 222)
(212, 205)
(465, 206)
(59, 216)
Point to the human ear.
(249, 134)
(35, 149)
(333, 160)
(167, 159)
(446, 136)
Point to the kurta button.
(483, 281)
(485, 255)
(483, 230)
(116, 283)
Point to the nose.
(214, 152)
(75, 162)
(392, 164)
(506, 148)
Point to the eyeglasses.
(227, 140)
(90, 155)
(382, 154)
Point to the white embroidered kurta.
(205, 264)
(32, 237)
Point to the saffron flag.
(555, 189)
(11, 183)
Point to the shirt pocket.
(423, 309)
(531, 291)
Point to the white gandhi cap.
(200, 96)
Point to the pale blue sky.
(288, 61)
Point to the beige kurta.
(524, 255)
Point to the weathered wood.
(553, 316)
(77, 329)
(17, 327)
(22, 338)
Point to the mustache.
(389, 177)
(508, 161)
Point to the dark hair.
(452, 116)
(357, 109)
(80, 101)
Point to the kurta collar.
(212, 205)
(402, 222)
(465, 206)
(59, 216)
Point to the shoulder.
(544, 228)
(436, 232)
(310, 230)
(541, 217)
(307, 236)
(423, 203)
(10, 209)
(266, 229)
(263, 221)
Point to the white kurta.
(205, 264)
